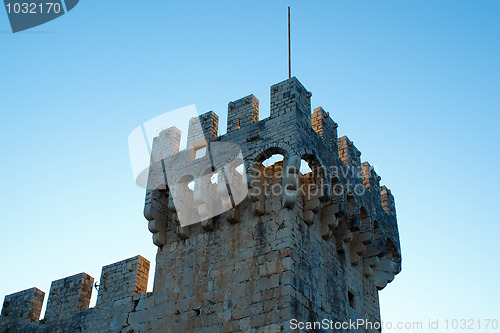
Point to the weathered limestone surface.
(69, 295)
(22, 307)
(321, 250)
(123, 279)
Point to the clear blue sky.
(415, 84)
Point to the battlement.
(325, 127)
(123, 279)
(22, 307)
(69, 295)
(198, 135)
(242, 112)
(357, 223)
(348, 153)
(388, 201)
(281, 245)
(290, 101)
(290, 130)
(69, 298)
(167, 143)
(370, 178)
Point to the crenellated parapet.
(69, 295)
(202, 129)
(326, 128)
(290, 101)
(69, 298)
(348, 153)
(21, 308)
(370, 178)
(242, 112)
(123, 279)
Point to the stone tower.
(310, 247)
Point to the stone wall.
(68, 295)
(323, 249)
(242, 112)
(22, 307)
(123, 279)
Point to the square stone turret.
(311, 237)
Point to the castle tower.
(312, 246)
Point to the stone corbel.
(291, 182)
(328, 221)
(256, 192)
(343, 236)
(369, 264)
(183, 232)
(154, 212)
(311, 207)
